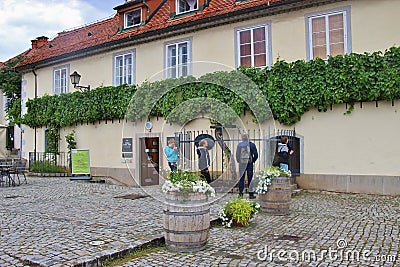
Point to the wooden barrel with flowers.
(274, 191)
(186, 212)
(276, 200)
(186, 221)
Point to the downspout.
(36, 93)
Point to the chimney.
(42, 40)
(34, 44)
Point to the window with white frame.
(133, 18)
(183, 6)
(178, 59)
(60, 80)
(124, 66)
(252, 46)
(328, 34)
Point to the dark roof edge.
(228, 18)
(127, 4)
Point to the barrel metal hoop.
(189, 213)
(186, 232)
(276, 208)
(186, 243)
(275, 202)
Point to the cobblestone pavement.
(55, 222)
(51, 221)
(340, 223)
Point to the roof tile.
(106, 31)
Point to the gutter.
(268, 9)
(36, 94)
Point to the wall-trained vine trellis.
(291, 89)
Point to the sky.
(23, 20)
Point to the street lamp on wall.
(75, 78)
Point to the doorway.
(149, 160)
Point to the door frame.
(138, 161)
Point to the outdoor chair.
(18, 168)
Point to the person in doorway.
(172, 154)
(204, 159)
(284, 152)
(246, 156)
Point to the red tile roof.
(106, 32)
(26, 53)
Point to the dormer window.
(183, 6)
(133, 18)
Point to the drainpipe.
(36, 87)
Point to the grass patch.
(138, 252)
(46, 166)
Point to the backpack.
(245, 155)
(283, 153)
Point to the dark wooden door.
(149, 161)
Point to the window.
(178, 59)
(60, 80)
(133, 18)
(253, 46)
(124, 64)
(183, 6)
(328, 34)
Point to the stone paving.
(340, 224)
(55, 222)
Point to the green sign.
(80, 161)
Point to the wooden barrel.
(277, 199)
(186, 221)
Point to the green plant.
(46, 166)
(238, 211)
(10, 84)
(52, 138)
(70, 139)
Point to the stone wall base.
(121, 175)
(367, 184)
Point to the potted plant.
(274, 190)
(238, 212)
(187, 211)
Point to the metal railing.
(60, 162)
(224, 150)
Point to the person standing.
(246, 156)
(172, 154)
(204, 159)
(284, 152)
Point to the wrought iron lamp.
(75, 78)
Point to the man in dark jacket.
(204, 159)
(246, 156)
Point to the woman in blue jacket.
(172, 154)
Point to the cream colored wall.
(361, 143)
(375, 25)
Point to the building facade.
(150, 40)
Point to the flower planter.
(237, 224)
(276, 201)
(186, 221)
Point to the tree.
(10, 84)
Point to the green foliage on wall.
(104, 103)
(10, 85)
(291, 89)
